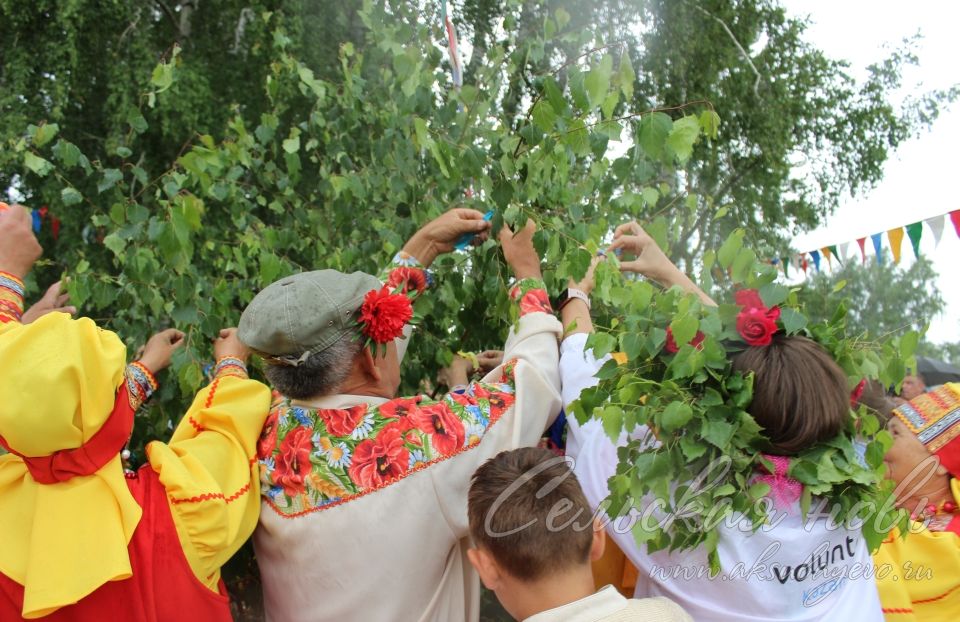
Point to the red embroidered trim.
(419, 467)
(897, 610)
(210, 496)
(213, 389)
(197, 426)
(936, 598)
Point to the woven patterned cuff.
(230, 366)
(141, 383)
(11, 298)
(531, 295)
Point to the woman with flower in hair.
(919, 574)
(791, 569)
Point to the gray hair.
(321, 374)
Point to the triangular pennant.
(826, 253)
(863, 252)
(878, 246)
(833, 250)
(955, 219)
(896, 239)
(55, 225)
(844, 251)
(786, 266)
(915, 231)
(37, 222)
(936, 228)
(803, 262)
(816, 259)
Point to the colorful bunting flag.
(936, 227)
(878, 246)
(896, 239)
(826, 253)
(786, 266)
(803, 262)
(915, 231)
(816, 259)
(844, 251)
(955, 219)
(35, 216)
(863, 252)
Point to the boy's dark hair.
(528, 511)
(800, 394)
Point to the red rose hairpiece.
(756, 323)
(383, 315)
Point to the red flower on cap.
(672, 347)
(384, 314)
(445, 429)
(756, 323)
(405, 278)
(293, 463)
(341, 422)
(377, 461)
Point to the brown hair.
(527, 509)
(800, 394)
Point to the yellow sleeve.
(894, 593)
(210, 472)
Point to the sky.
(920, 179)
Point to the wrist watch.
(569, 294)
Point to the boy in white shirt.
(534, 540)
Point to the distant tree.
(881, 299)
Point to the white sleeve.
(533, 344)
(594, 454)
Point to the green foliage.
(337, 172)
(695, 405)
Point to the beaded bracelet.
(141, 383)
(230, 366)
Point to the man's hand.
(457, 373)
(441, 234)
(18, 246)
(52, 301)
(160, 348)
(490, 360)
(519, 252)
(228, 344)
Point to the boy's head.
(800, 394)
(530, 523)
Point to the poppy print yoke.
(312, 459)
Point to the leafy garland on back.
(672, 372)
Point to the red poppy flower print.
(535, 301)
(341, 422)
(406, 278)
(499, 402)
(268, 437)
(293, 463)
(400, 410)
(445, 429)
(377, 461)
